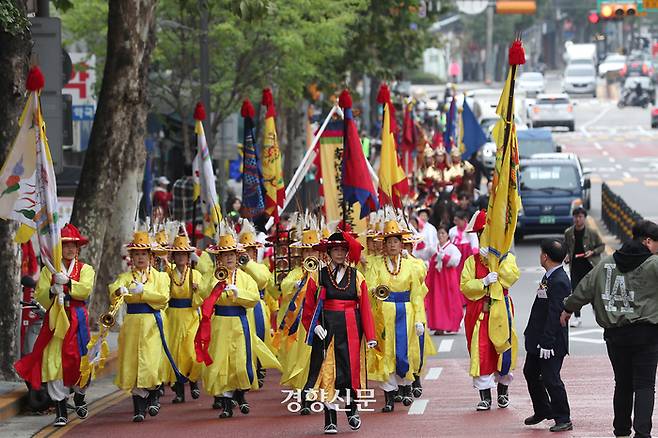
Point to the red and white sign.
(83, 79)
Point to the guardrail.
(617, 216)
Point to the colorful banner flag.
(357, 187)
(393, 183)
(272, 171)
(503, 209)
(472, 135)
(450, 131)
(409, 137)
(328, 162)
(252, 178)
(205, 189)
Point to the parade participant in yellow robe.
(483, 321)
(226, 342)
(57, 360)
(160, 262)
(399, 319)
(141, 339)
(292, 334)
(259, 315)
(182, 320)
(425, 343)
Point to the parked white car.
(531, 83)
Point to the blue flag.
(449, 131)
(253, 202)
(473, 136)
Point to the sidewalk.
(13, 396)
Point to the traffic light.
(526, 7)
(618, 10)
(593, 17)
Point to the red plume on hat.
(71, 234)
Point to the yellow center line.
(96, 407)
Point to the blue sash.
(137, 308)
(180, 303)
(259, 320)
(240, 312)
(83, 331)
(401, 345)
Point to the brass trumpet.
(221, 273)
(382, 292)
(311, 264)
(243, 259)
(108, 319)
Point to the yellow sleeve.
(123, 279)
(197, 299)
(471, 287)
(248, 295)
(417, 296)
(208, 283)
(42, 291)
(205, 265)
(81, 289)
(508, 271)
(258, 272)
(156, 292)
(289, 283)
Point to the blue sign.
(83, 112)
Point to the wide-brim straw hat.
(141, 240)
(226, 243)
(181, 244)
(248, 240)
(392, 229)
(310, 238)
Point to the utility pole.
(488, 63)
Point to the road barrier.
(617, 216)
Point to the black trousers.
(635, 375)
(549, 398)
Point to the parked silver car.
(579, 79)
(552, 110)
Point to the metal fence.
(617, 216)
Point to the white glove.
(233, 289)
(405, 253)
(420, 329)
(320, 332)
(61, 278)
(372, 344)
(123, 290)
(194, 258)
(137, 288)
(484, 252)
(491, 278)
(544, 353)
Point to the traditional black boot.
(153, 402)
(194, 389)
(330, 421)
(227, 404)
(260, 373)
(179, 389)
(416, 387)
(61, 415)
(353, 418)
(217, 403)
(503, 396)
(161, 390)
(389, 405)
(239, 397)
(485, 400)
(80, 405)
(306, 407)
(397, 396)
(139, 408)
(407, 398)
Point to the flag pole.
(344, 200)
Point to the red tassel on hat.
(199, 112)
(345, 100)
(35, 80)
(384, 95)
(247, 109)
(516, 53)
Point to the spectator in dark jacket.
(547, 342)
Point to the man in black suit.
(547, 342)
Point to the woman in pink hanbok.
(466, 243)
(443, 302)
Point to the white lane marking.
(418, 407)
(531, 269)
(626, 174)
(630, 145)
(433, 373)
(642, 130)
(585, 331)
(598, 145)
(611, 159)
(585, 133)
(446, 345)
(586, 340)
(605, 153)
(597, 118)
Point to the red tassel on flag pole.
(199, 112)
(384, 94)
(247, 109)
(516, 53)
(35, 80)
(345, 100)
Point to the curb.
(14, 402)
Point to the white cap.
(163, 180)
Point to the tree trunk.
(116, 145)
(14, 63)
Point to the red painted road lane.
(450, 411)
